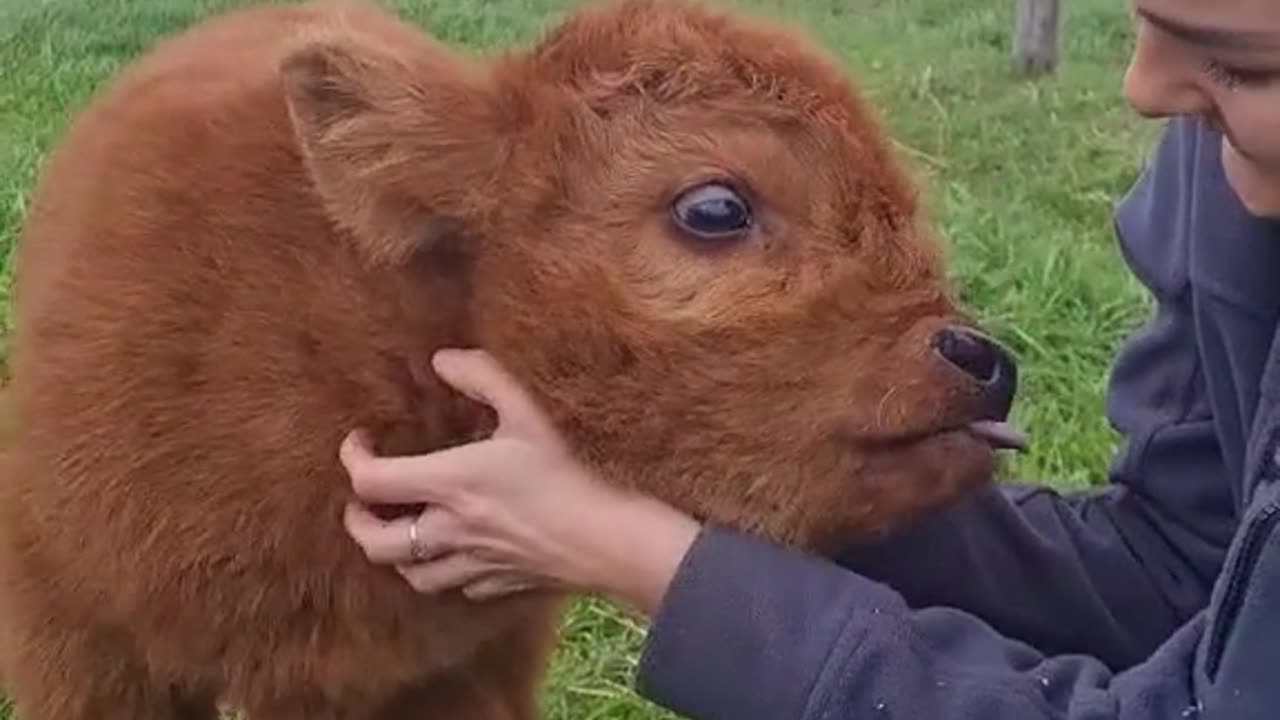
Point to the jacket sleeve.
(750, 631)
(1109, 572)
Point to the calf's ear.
(401, 138)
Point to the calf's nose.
(986, 361)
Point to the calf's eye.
(712, 211)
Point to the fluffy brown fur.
(254, 239)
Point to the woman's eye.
(712, 211)
(1233, 77)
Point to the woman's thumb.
(479, 376)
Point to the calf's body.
(196, 337)
(252, 241)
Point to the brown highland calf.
(682, 229)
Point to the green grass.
(1020, 176)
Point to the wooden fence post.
(1036, 41)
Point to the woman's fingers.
(390, 542)
(469, 537)
(450, 572)
(478, 375)
(496, 586)
(436, 477)
(404, 479)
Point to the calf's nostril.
(984, 360)
(970, 352)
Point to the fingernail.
(442, 356)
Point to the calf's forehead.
(673, 52)
(676, 92)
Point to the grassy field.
(1021, 177)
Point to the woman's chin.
(1257, 188)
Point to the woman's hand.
(513, 511)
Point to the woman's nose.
(1162, 82)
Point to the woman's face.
(1219, 59)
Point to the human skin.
(514, 510)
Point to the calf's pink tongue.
(999, 434)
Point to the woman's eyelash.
(1237, 77)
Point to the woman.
(1157, 596)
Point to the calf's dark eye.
(712, 211)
